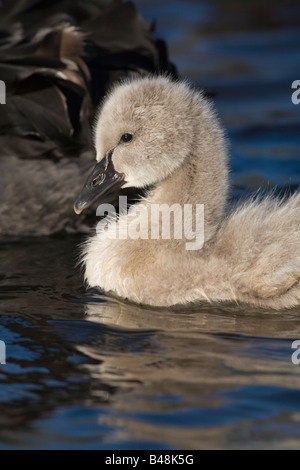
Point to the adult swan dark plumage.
(57, 60)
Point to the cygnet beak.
(103, 181)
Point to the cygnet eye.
(126, 137)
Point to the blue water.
(84, 371)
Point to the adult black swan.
(58, 59)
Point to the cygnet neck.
(197, 182)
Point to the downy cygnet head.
(144, 131)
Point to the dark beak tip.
(76, 209)
(78, 206)
(103, 180)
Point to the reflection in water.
(222, 368)
(87, 371)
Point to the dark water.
(85, 371)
